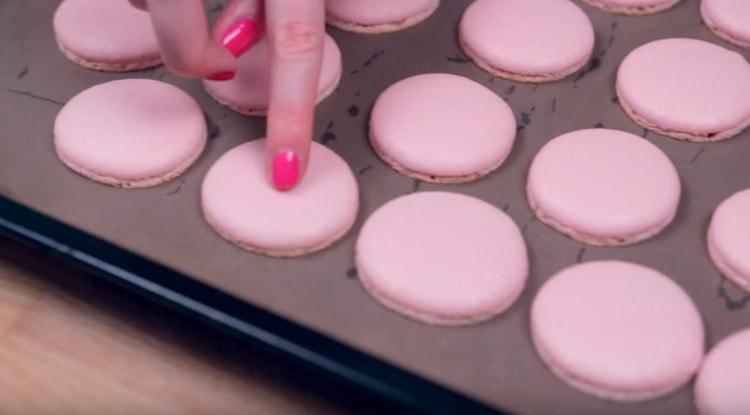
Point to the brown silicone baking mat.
(494, 361)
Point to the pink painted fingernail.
(240, 35)
(285, 169)
(222, 76)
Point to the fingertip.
(220, 65)
(303, 152)
(285, 169)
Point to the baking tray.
(312, 309)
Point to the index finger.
(295, 29)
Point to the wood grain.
(70, 347)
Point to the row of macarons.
(126, 41)
(684, 88)
(471, 132)
(547, 40)
(608, 375)
(417, 149)
(725, 18)
(614, 329)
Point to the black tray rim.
(264, 330)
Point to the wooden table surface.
(73, 345)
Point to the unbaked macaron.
(686, 88)
(106, 35)
(724, 379)
(442, 128)
(381, 16)
(603, 187)
(729, 238)
(242, 205)
(633, 7)
(442, 258)
(728, 19)
(617, 330)
(247, 93)
(130, 133)
(527, 40)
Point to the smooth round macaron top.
(729, 18)
(688, 86)
(724, 379)
(371, 13)
(603, 186)
(729, 238)
(442, 125)
(528, 37)
(105, 31)
(130, 132)
(248, 91)
(443, 258)
(242, 205)
(617, 330)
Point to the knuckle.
(287, 122)
(297, 38)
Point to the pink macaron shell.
(729, 17)
(240, 202)
(130, 130)
(443, 257)
(632, 3)
(686, 85)
(617, 330)
(604, 184)
(633, 7)
(249, 89)
(528, 37)
(368, 12)
(724, 379)
(106, 31)
(729, 237)
(442, 125)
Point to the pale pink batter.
(729, 238)
(130, 133)
(106, 35)
(247, 93)
(633, 7)
(243, 207)
(442, 258)
(617, 330)
(368, 16)
(729, 19)
(686, 88)
(603, 187)
(527, 40)
(723, 382)
(442, 128)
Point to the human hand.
(295, 29)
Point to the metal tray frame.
(265, 330)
